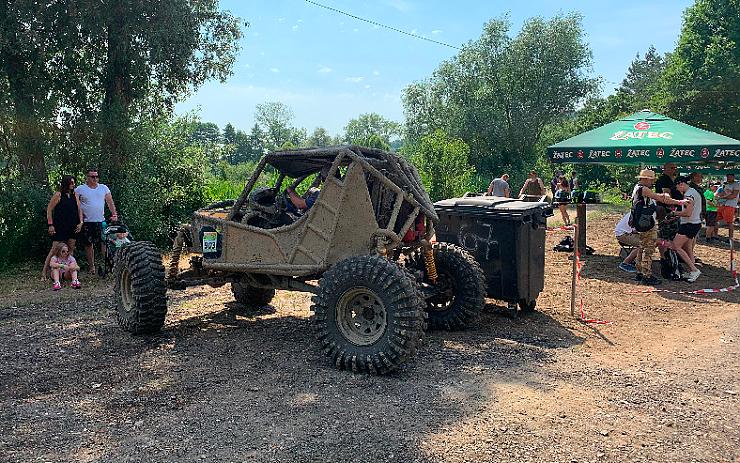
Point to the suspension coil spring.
(430, 265)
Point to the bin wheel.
(527, 307)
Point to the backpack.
(670, 266)
(641, 216)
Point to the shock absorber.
(429, 263)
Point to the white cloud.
(376, 72)
(367, 86)
(355, 80)
(400, 5)
(275, 70)
(414, 31)
(295, 28)
(355, 30)
(325, 70)
(436, 31)
(281, 20)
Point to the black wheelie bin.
(507, 238)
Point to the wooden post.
(575, 272)
(581, 228)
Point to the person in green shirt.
(711, 216)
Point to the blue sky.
(329, 68)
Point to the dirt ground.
(660, 383)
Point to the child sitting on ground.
(63, 266)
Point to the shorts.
(64, 235)
(689, 230)
(711, 218)
(629, 239)
(726, 214)
(92, 233)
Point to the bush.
(442, 162)
(23, 231)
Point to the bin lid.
(491, 205)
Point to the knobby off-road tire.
(368, 315)
(462, 282)
(251, 296)
(140, 292)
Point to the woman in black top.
(64, 217)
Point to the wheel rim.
(126, 296)
(445, 297)
(361, 316)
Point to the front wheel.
(460, 288)
(139, 291)
(368, 315)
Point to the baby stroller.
(115, 236)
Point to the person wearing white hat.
(645, 197)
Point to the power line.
(375, 23)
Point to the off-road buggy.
(364, 249)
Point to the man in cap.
(689, 226)
(728, 197)
(643, 192)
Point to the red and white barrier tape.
(594, 321)
(560, 228)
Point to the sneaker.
(692, 276)
(651, 281)
(638, 277)
(57, 286)
(76, 284)
(629, 268)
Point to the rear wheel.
(139, 290)
(368, 315)
(250, 295)
(460, 288)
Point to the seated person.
(627, 236)
(304, 203)
(300, 203)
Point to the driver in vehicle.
(304, 203)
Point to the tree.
(157, 49)
(642, 83)
(205, 133)
(702, 79)
(371, 124)
(229, 134)
(319, 138)
(499, 93)
(442, 162)
(274, 120)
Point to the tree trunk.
(114, 116)
(27, 126)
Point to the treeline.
(508, 98)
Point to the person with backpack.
(689, 227)
(642, 219)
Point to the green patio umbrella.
(647, 138)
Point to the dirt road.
(660, 383)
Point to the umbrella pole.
(581, 227)
(575, 272)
